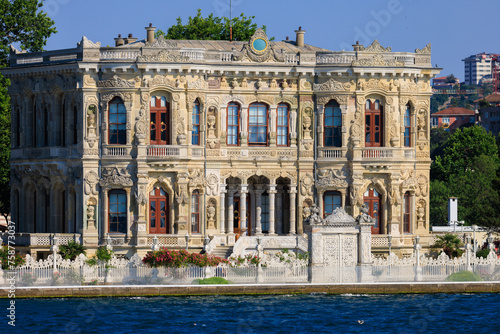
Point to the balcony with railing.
(332, 153)
(41, 239)
(112, 151)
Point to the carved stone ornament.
(306, 185)
(264, 54)
(196, 179)
(140, 195)
(341, 99)
(376, 47)
(331, 179)
(91, 180)
(161, 42)
(199, 83)
(212, 185)
(116, 82)
(408, 86)
(426, 50)
(339, 216)
(376, 84)
(88, 44)
(161, 80)
(112, 176)
(163, 56)
(332, 85)
(181, 196)
(377, 60)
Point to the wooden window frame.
(258, 126)
(407, 126)
(123, 193)
(158, 111)
(286, 119)
(407, 213)
(335, 128)
(195, 212)
(158, 198)
(372, 112)
(333, 194)
(116, 101)
(195, 132)
(230, 107)
(370, 199)
(264, 214)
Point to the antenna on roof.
(230, 23)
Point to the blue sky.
(456, 28)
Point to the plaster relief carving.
(164, 56)
(331, 179)
(112, 176)
(306, 185)
(212, 185)
(116, 82)
(91, 181)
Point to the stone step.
(223, 251)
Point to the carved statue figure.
(314, 218)
(364, 217)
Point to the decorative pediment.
(331, 179)
(426, 50)
(196, 179)
(163, 57)
(339, 216)
(112, 176)
(332, 85)
(160, 80)
(377, 60)
(376, 47)
(341, 99)
(116, 82)
(259, 49)
(161, 42)
(87, 43)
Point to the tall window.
(45, 127)
(233, 124)
(264, 212)
(333, 125)
(195, 212)
(159, 129)
(63, 123)
(195, 121)
(257, 124)
(117, 211)
(407, 124)
(331, 201)
(117, 122)
(158, 211)
(406, 216)
(75, 125)
(373, 123)
(372, 202)
(33, 124)
(282, 124)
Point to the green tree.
(450, 79)
(448, 243)
(439, 138)
(439, 194)
(212, 28)
(22, 22)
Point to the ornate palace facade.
(170, 138)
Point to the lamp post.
(474, 228)
(155, 244)
(187, 241)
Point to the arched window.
(117, 122)
(333, 125)
(233, 124)
(158, 212)
(406, 215)
(195, 212)
(373, 124)
(372, 202)
(257, 124)
(117, 211)
(282, 130)
(160, 122)
(195, 122)
(407, 124)
(331, 201)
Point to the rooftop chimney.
(299, 40)
(119, 41)
(130, 39)
(357, 46)
(150, 33)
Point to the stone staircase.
(223, 251)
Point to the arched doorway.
(372, 200)
(158, 211)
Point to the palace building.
(190, 141)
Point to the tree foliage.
(212, 28)
(23, 22)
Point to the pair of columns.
(243, 209)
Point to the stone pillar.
(222, 205)
(343, 193)
(365, 251)
(293, 192)
(258, 210)
(230, 213)
(279, 210)
(293, 127)
(272, 193)
(243, 208)
(316, 271)
(319, 129)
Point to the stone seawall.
(241, 289)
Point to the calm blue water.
(260, 314)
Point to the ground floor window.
(117, 200)
(195, 212)
(406, 217)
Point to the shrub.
(102, 254)
(212, 280)
(176, 259)
(5, 253)
(28, 279)
(483, 253)
(463, 276)
(449, 243)
(71, 250)
(245, 260)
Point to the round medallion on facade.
(259, 44)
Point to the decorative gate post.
(365, 223)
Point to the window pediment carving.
(331, 179)
(112, 176)
(116, 82)
(268, 54)
(333, 85)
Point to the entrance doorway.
(238, 229)
(372, 202)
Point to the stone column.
(222, 205)
(292, 192)
(230, 212)
(243, 208)
(293, 127)
(279, 210)
(319, 129)
(343, 192)
(316, 272)
(365, 251)
(258, 210)
(272, 193)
